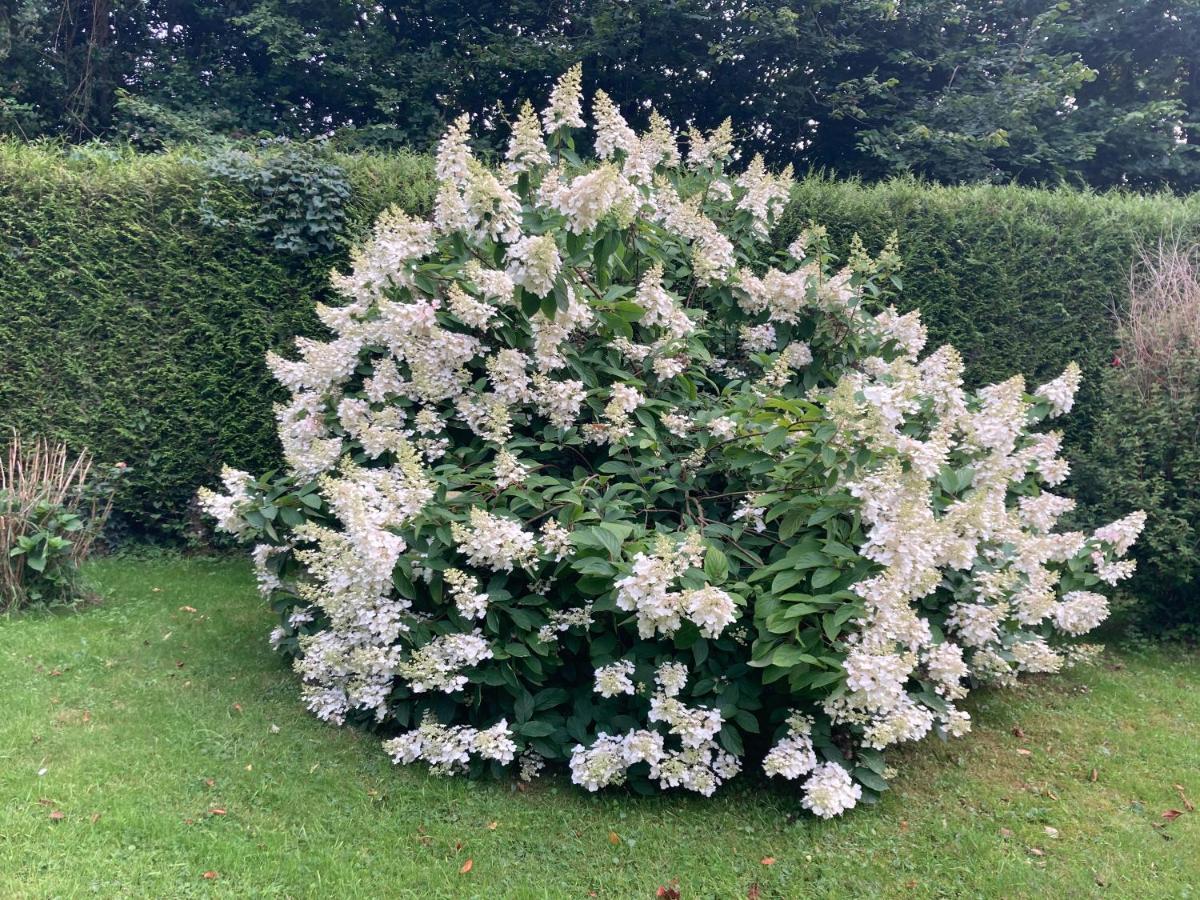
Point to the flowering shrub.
(586, 474)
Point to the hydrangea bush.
(587, 474)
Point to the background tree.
(1102, 93)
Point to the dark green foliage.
(1150, 459)
(130, 326)
(1098, 92)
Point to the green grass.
(147, 718)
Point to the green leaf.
(523, 708)
(716, 565)
(870, 779)
(823, 577)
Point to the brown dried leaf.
(614, 838)
(768, 860)
(1095, 776)
(466, 867)
(1187, 804)
(1171, 815)
(210, 875)
(1017, 732)
(57, 815)
(216, 811)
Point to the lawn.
(153, 746)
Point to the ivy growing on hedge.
(131, 324)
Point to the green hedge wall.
(131, 324)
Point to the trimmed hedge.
(132, 324)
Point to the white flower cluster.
(793, 756)
(494, 542)
(439, 664)
(226, 508)
(830, 791)
(614, 679)
(698, 765)
(647, 590)
(914, 414)
(449, 749)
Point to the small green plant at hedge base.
(53, 507)
(590, 474)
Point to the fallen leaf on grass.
(466, 867)
(1037, 851)
(1051, 832)
(1187, 804)
(768, 860)
(216, 811)
(57, 815)
(210, 875)
(614, 838)
(668, 892)
(753, 893)
(1095, 776)
(1171, 815)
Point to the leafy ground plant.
(53, 507)
(588, 473)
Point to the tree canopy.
(1103, 92)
